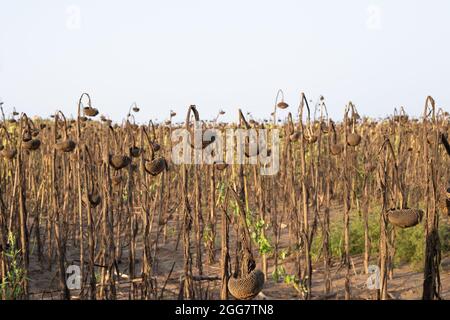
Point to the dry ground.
(405, 284)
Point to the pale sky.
(223, 54)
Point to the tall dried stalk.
(431, 282)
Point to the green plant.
(409, 243)
(256, 227)
(11, 288)
(336, 240)
(290, 279)
(410, 246)
(258, 236)
(278, 273)
(221, 188)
